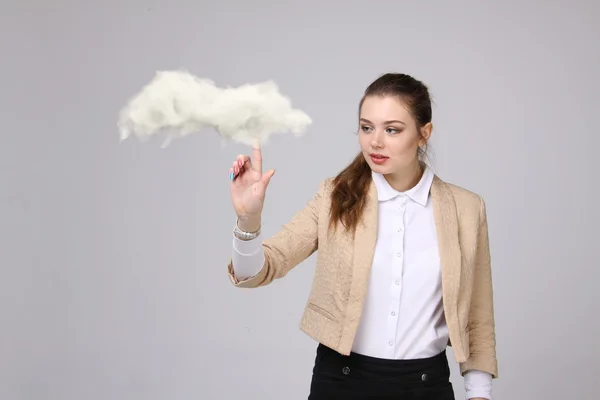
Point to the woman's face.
(388, 135)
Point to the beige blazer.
(335, 303)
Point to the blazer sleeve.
(482, 337)
(293, 243)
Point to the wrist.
(249, 223)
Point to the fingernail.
(231, 175)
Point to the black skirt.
(356, 376)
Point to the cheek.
(363, 141)
(404, 147)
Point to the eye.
(365, 128)
(393, 130)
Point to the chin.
(380, 169)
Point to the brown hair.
(350, 186)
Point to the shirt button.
(391, 343)
(346, 371)
(393, 313)
(399, 254)
(424, 377)
(397, 282)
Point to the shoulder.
(325, 187)
(467, 201)
(463, 195)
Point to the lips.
(378, 156)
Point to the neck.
(407, 178)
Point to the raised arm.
(257, 262)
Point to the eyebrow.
(385, 123)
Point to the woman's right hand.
(248, 187)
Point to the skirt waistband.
(432, 368)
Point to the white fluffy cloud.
(177, 103)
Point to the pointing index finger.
(257, 155)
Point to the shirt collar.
(419, 193)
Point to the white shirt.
(403, 316)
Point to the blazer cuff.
(245, 282)
(481, 363)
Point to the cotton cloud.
(177, 103)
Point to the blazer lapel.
(446, 222)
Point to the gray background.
(114, 255)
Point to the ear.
(425, 133)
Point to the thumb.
(266, 178)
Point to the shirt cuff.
(248, 257)
(247, 247)
(478, 384)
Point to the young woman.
(403, 261)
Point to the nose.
(377, 140)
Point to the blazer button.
(424, 377)
(346, 371)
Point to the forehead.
(384, 108)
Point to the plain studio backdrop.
(114, 255)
